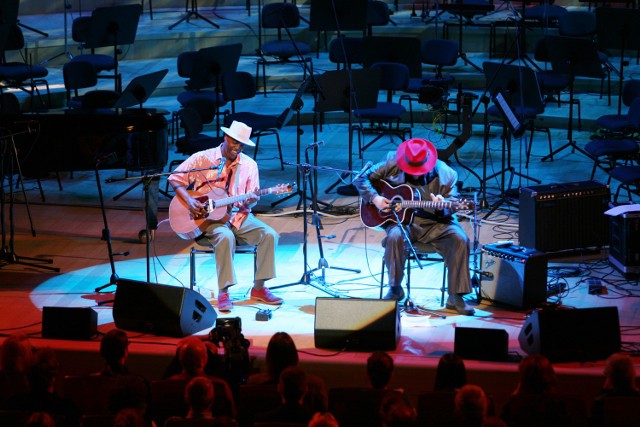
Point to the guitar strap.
(226, 185)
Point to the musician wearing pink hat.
(226, 172)
(415, 171)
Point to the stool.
(425, 253)
(240, 249)
(629, 176)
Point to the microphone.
(314, 145)
(363, 170)
(482, 273)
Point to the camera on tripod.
(435, 94)
(227, 335)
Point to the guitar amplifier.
(515, 275)
(624, 249)
(564, 216)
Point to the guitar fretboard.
(234, 199)
(427, 204)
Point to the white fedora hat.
(240, 132)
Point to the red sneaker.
(224, 302)
(265, 296)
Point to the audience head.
(128, 417)
(494, 421)
(199, 395)
(192, 353)
(620, 373)
(536, 375)
(293, 384)
(471, 404)
(17, 354)
(44, 370)
(396, 411)
(40, 419)
(281, 353)
(323, 419)
(451, 373)
(130, 391)
(114, 347)
(379, 369)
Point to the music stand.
(114, 26)
(512, 87)
(405, 50)
(193, 12)
(618, 30)
(573, 57)
(136, 93)
(8, 17)
(337, 15)
(346, 90)
(209, 66)
(468, 9)
(140, 89)
(295, 108)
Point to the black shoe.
(395, 292)
(457, 303)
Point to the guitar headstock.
(283, 188)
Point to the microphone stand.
(409, 306)
(306, 279)
(7, 253)
(106, 235)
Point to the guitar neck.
(426, 204)
(240, 198)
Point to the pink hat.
(416, 156)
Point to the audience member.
(40, 419)
(199, 396)
(193, 355)
(494, 421)
(292, 387)
(323, 419)
(114, 349)
(42, 395)
(17, 354)
(131, 392)
(379, 369)
(450, 373)
(619, 381)
(397, 411)
(16, 358)
(535, 401)
(129, 417)
(471, 406)
(281, 354)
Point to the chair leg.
(444, 283)
(382, 278)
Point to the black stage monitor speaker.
(70, 323)
(557, 217)
(515, 275)
(580, 334)
(161, 309)
(481, 344)
(357, 324)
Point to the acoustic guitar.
(217, 205)
(403, 202)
